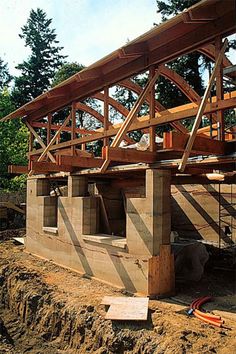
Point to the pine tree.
(39, 69)
(5, 77)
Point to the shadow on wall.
(181, 219)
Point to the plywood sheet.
(126, 308)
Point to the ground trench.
(48, 309)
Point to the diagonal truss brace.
(132, 114)
(201, 109)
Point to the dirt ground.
(48, 309)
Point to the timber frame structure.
(76, 230)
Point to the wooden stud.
(73, 125)
(202, 108)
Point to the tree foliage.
(39, 69)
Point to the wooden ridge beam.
(128, 155)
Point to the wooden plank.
(132, 114)
(17, 169)
(83, 162)
(201, 109)
(128, 155)
(40, 141)
(123, 308)
(73, 125)
(39, 166)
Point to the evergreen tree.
(5, 77)
(39, 69)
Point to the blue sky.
(87, 29)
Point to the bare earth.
(47, 309)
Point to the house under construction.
(114, 220)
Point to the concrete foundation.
(66, 230)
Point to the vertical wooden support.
(201, 109)
(49, 128)
(152, 129)
(219, 89)
(73, 125)
(106, 114)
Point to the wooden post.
(49, 125)
(106, 114)
(54, 138)
(152, 129)
(132, 114)
(201, 109)
(219, 89)
(73, 126)
(39, 140)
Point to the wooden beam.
(41, 167)
(128, 155)
(83, 162)
(40, 141)
(132, 114)
(201, 145)
(17, 169)
(201, 109)
(57, 127)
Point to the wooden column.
(152, 130)
(49, 125)
(73, 125)
(106, 114)
(219, 89)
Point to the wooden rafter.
(202, 108)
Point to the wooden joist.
(201, 145)
(128, 155)
(17, 169)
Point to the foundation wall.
(78, 216)
(195, 211)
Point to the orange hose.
(210, 315)
(214, 323)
